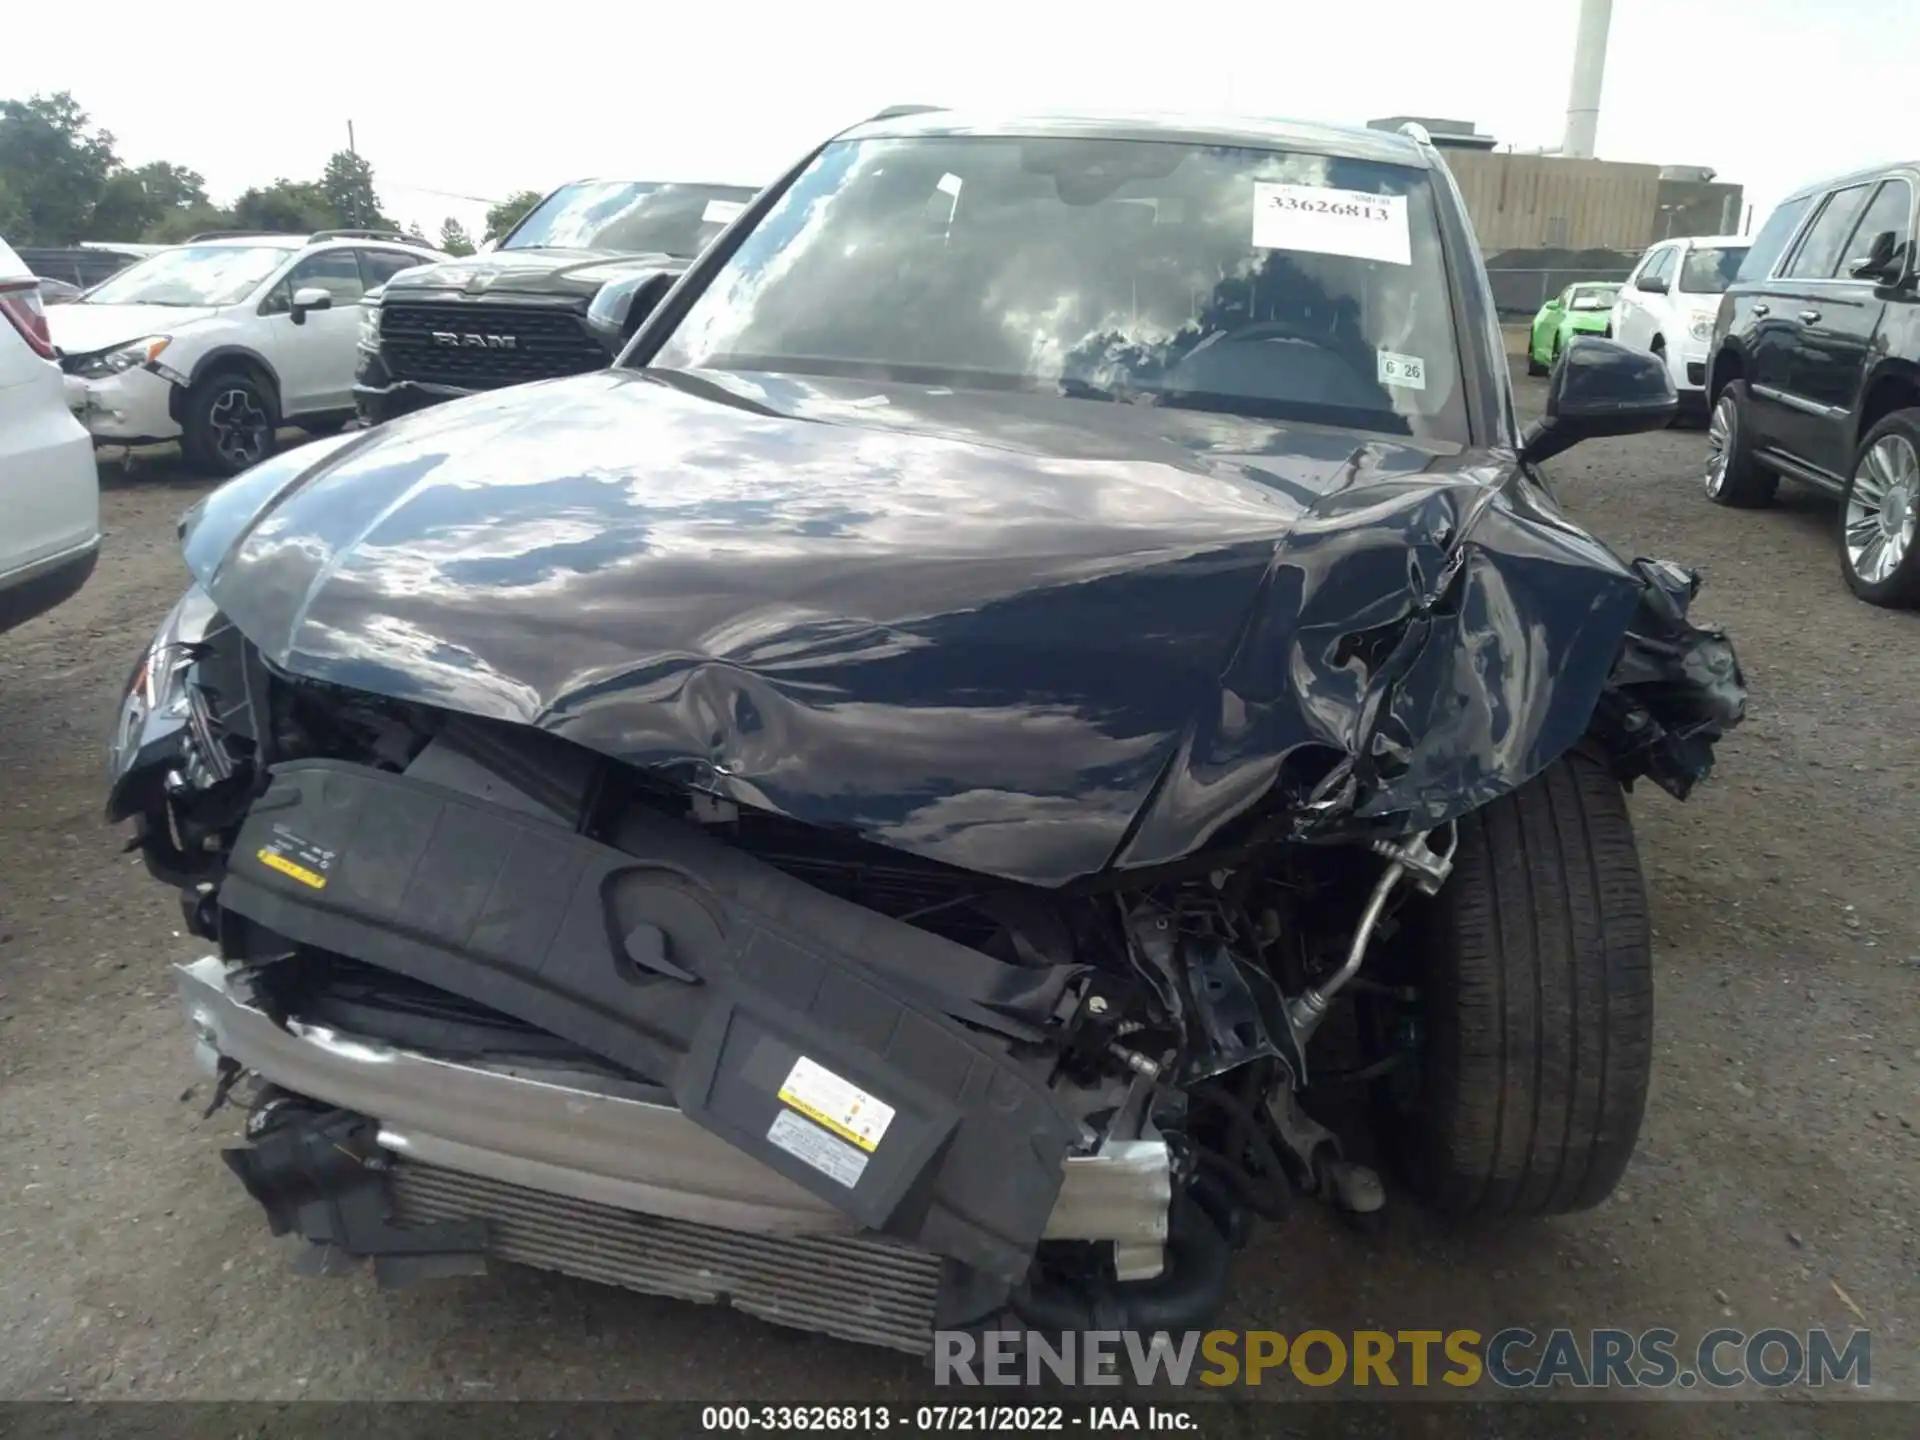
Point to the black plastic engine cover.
(793, 1042)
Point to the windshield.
(630, 216)
(191, 275)
(1248, 281)
(1710, 271)
(1594, 297)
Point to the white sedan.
(49, 489)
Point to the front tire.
(1879, 512)
(1534, 367)
(229, 423)
(1733, 477)
(1536, 976)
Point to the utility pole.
(350, 149)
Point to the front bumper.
(378, 396)
(563, 1170)
(577, 1136)
(131, 408)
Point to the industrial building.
(1546, 218)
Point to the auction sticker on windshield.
(1325, 221)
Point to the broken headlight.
(155, 711)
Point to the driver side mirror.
(309, 297)
(1878, 263)
(1652, 284)
(1598, 388)
(620, 306)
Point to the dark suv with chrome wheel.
(1815, 371)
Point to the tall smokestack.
(1589, 69)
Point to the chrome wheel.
(242, 431)
(1721, 427)
(1882, 504)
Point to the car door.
(314, 357)
(1634, 316)
(1748, 307)
(1546, 323)
(1837, 331)
(1788, 418)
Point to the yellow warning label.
(836, 1104)
(287, 867)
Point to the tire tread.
(1539, 1061)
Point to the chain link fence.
(1518, 293)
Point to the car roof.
(303, 242)
(12, 267)
(1698, 242)
(272, 242)
(1343, 142)
(1852, 177)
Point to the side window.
(1891, 209)
(1772, 239)
(1657, 274)
(379, 266)
(333, 271)
(1820, 248)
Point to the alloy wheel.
(1882, 505)
(1721, 428)
(241, 429)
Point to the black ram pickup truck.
(558, 296)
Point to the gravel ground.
(1775, 1182)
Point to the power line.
(443, 194)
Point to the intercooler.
(855, 1288)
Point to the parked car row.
(1801, 347)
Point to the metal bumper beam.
(590, 1144)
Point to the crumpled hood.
(81, 328)
(530, 272)
(1025, 635)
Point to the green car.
(1583, 308)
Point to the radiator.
(856, 1288)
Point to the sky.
(457, 105)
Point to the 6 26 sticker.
(1409, 372)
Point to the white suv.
(218, 342)
(1669, 302)
(49, 490)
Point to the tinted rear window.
(1772, 239)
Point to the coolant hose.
(1188, 1292)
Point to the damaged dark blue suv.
(898, 803)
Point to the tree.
(348, 187)
(52, 166)
(454, 239)
(134, 202)
(503, 217)
(288, 206)
(177, 225)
